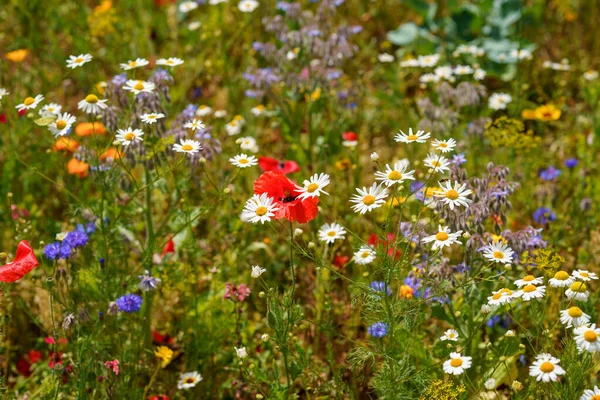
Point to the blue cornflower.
(543, 215)
(283, 5)
(51, 251)
(129, 303)
(258, 46)
(378, 329)
(65, 250)
(119, 80)
(571, 162)
(459, 159)
(549, 173)
(379, 286)
(148, 282)
(189, 111)
(313, 32)
(76, 239)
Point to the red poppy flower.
(169, 247)
(158, 397)
(339, 261)
(34, 356)
(161, 339)
(271, 164)
(283, 191)
(391, 238)
(350, 136)
(24, 262)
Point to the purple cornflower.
(76, 238)
(119, 80)
(571, 162)
(550, 173)
(459, 159)
(378, 329)
(148, 282)
(380, 287)
(543, 215)
(129, 303)
(51, 251)
(65, 250)
(258, 46)
(189, 111)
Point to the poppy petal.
(24, 262)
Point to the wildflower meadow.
(312, 199)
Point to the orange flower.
(112, 153)
(90, 128)
(528, 114)
(65, 144)
(17, 55)
(406, 292)
(547, 112)
(79, 168)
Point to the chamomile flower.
(248, 143)
(586, 338)
(369, 199)
(499, 252)
(574, 317)
(530, 291)
(329, 233)
(92, 104)
(479, 74)
(125, 137)
(529, 280)
(188, 146)
(30, 103)
(590, 75)
(463, 70)
(395, 174)
(140, 62)
(259, 209)
(591, 394)
(443, 238)
(561, 279)
(364, 255)
(453, 196)
(545, 368)
(169, 62)
(450, 334)
(444, 72)
(385, 58)
(243, 161)
(584, 275)
(62, 125)
(437, 162)
(204, 111)
(248, 5)
(444, 146)
(313, 187)
(258, 110)
(194, 124)
(52, 108)
(138, 86)
(577, 291)
(188, 6)
(500, 297)
(3, 92)
(241, 352)
(188, 380)
(257, 271)
(417, 137)
(457, 364)
(151, 118)
(233, 128)
(499, 101)
(77, 61)
(429, 60)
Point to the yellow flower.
(547, 112)
(165, 354)
(528, 114)
(343, 164)
(17, 55)
(316, 94)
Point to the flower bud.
(374, 156)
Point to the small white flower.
(257, 271)
(584, 275)
(137, 86)
(313, 187)
(92, 104)
(220, 113)
(330, 233)
(444, 72)
(3, 92)
(194, 25)
(194, 124)
(591, 394)
(577, 291)
(241, 352)
(457, 364)
(443, 238)
(499, 252)
(453, 196)
(397, 174)
(188, 6)
(444, 146)
(77, 61)
(62, 125)
(30, 103)
(545, 368)
(450, 334)
(385, 58)
(52, 108)
(561, 279)
(243, 161)
(169, 62)
(151, 118)
(417, 137)
(125, 137)
(510, 333)
(529, 280)
(429, 60)
(463, 70)
(412, 62)
(264, 337)
(479, 74)
(248, 5)
(531, 292)
(374, 156)
(500, 297)
(590, 75)
(248, 143)
(188, 380)
(586, 338)
(521, 54)
(574, 317)
(364, 255)
(187, 146)
(258, 110)
(259, 209)
(437, 162)
(204, 111)
(490, 384)
(140, 62)
(499, 101)
(429, 78)
(369, 199)
(233, 128)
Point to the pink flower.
(240, 292)
(114, 365)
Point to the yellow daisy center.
(529, 288)
(529, 278)
(369, 199)
(151, 116)
(169, 62)
(561, 276)
(29, 101)
(452, 194)
(584, 274)
(456, 362)
(365, 254)
(497, 296)
(578, 287)
(91, 98)
(590, 336)
(312, 187)
(331, 233)
(595, 397)
(498, 254)
(61, 124)
(243, 161)
(138, 86)
(132, 63)
(130, 136)
(435, 163)
(189, 380)
(260, 211)
(441, 236)
(443, 145)
(547, 367)
(187, 147)
(575, 312)
(395, 175)
(78, 60)
(412, 137)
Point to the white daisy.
(385, 58)
(584, 275)
(30, 103)
(259, 209)
(151, 118)
(52, 108)
(444, 72)
(330, 233)
(241, 352)
(429, 60)
(444, 146)
(258, 110)
(313, 187)
(3, 92)
(140, 62)
(529, 280)
(545, 368)
(194, 124)
(243, 161)
(417, 137)
(437, 162)
(257, 271)
(577, 291)
(369, 199)
(397, 174)
(499, 252)
(450, 334)
(125, 137)
(188, 6)
(429, 78)
(169, 62)
(453, 196)
(591, 394)
(92, 104)
(479, 74)
(365, 255)
(502, 296)
(192, 26)
(204, 111)
(62, 125)
(220, 113)
(248, 5)
(463, 70)
(457, 364)
(233, 128)
(138, 86)
(188, 380)
(574, 317)
(443, 238)
(586, 338)
(412, 62)
(499, 101)
(531, 292)
(77, 61)
(590, 75)
(187, 146)
(561, 279)
(521, 54)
